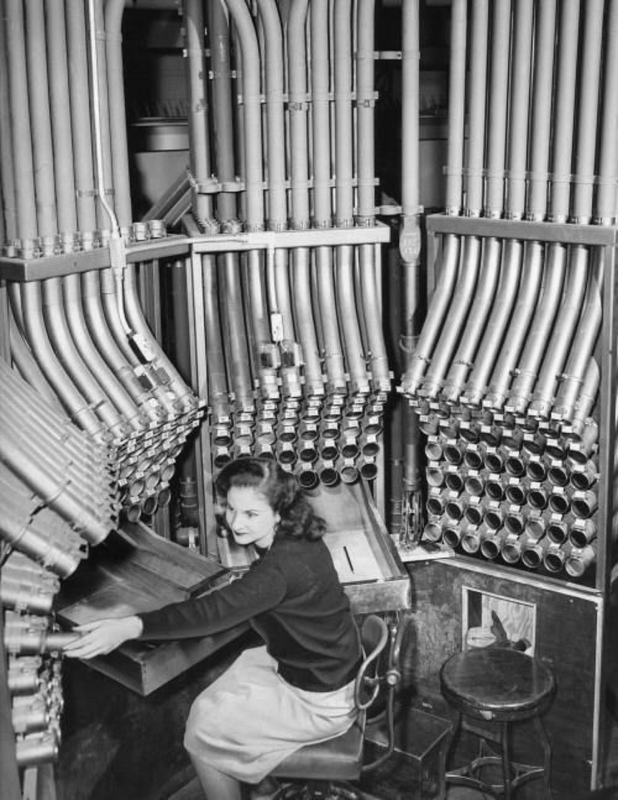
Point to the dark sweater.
(293, 598)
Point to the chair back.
(377, 681)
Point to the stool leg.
(546, 745)
(506, 760)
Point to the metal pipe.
(72, 399)
(588, 98)
(197, 106)
(605, 207)
(460, 304)
(566, 74)
(519, 106)
(585, 336)
(477, 120)
(498, 106)
(8, 217)
(80, 114)
(456, 107)
(480, 309)
(20, 120)
(439, 303)
(518, 328)
(562, 334)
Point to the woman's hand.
(101, 637)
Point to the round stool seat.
(496, 683)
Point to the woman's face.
(250, 517)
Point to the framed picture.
(489, 619)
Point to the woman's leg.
(216, 785)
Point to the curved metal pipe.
(421, 357)
(586, 335)
(464, 356)
(107, 346)
(540, 329)
(562, 335)
(237, 353)
(510, 271)
(518, 329)
(74, 307)
(139, 325)
(460, 303)
(27, 365)
(73, 363)
(55, 373)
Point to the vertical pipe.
(562, 146)
(80, 115)
(60, 117)
(588, 97)
(477, 93)
(7, 175)
(407, 445)
(198, 106)
(498, 105)
(520, 103)
(456, 107)
(113, 102)
(20, 120)
(38, 95)
(605, 208)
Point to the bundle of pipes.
(505, 376)
(33, 647)
(79, 335)
(296, 361)
(58, 495)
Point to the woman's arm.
(101, 637)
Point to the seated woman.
(295, 690)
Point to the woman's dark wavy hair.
(282, 491)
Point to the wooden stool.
(500, 686)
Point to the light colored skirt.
(249, 720)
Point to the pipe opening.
(495, 490)
(514, 524)
(559, 503)
(454, 482)
(453, 454)
(435, 476)
(536, 471)
(473, 459)
(515, 494)
(451, 537)
(557, 532)
(494, 462)
(473, 515)
(532, 557)
(515, 466)
(435, 506)
(432, 532)
(493, 519)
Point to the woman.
(296, 689)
